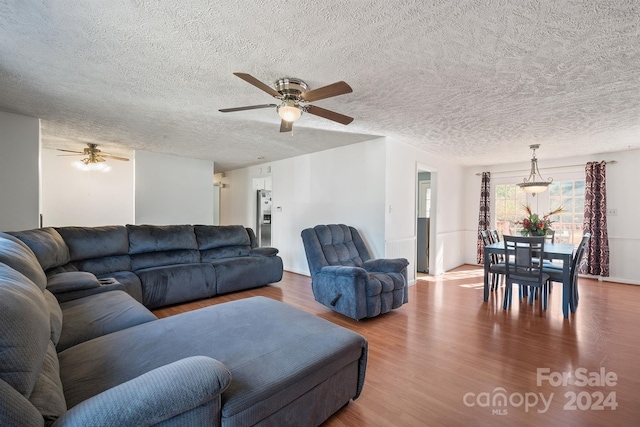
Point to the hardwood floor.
(441, 359)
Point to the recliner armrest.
(264, 251)
(339, 270)
(386, 265)
(159, 395)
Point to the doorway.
(423, 222)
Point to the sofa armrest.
(164, 393)
(386, 265)
(264, 251)
(72, 281)
(69, 296)
(79, 284)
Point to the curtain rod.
(608, 162)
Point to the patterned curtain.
(485, 212)
(595, 221)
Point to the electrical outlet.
(612, 212)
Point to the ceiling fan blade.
(110, 156)
(286, 126)
(328, 114)
(250, 107)
(257, 83)
(70, 155)
(335, 89)
(69, 151)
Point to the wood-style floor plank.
(425, 357)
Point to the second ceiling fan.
(295, 97)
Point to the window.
(509, 202)
(568, 224)
(424, 199)
(569, 193)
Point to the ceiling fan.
(95, 159)
(294, 96)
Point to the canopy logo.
(499, 401)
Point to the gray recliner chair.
(346, 279)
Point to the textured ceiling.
(464, 80)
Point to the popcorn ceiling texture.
(461, 79)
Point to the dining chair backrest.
(550, 236)
(524, 267)
(495, 236)
(575, 262)
(486, 237)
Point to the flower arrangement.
(534, 225)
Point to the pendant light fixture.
(535, 183)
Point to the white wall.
(71, 196)
(342, 185)
(19, 172)
(370, 185)
(447, 213)
(624, 234)
(172, 189)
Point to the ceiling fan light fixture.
(88, 165)
(289, 111)
(535, 183)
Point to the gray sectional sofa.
(98, 357)
(157, 265)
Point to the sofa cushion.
(235, 274)
(129, 280)
(209, 255)
(72, 281)
(176, 283)
(104, 265)
(95, 242)
(55, 316)
(216, 236)
(47, 395)
(158, 238)
(17, 255)
(16, 410)
(157, 259)
(225, 241)
(24, 330)
(275, 353)
(47, 244)
(100, 314)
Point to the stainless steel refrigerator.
(263, 218)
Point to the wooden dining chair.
(524, 268)
(550, 236)
(555, 275)
(496, 268)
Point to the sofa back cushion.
(160, 245)
(333, 244)
(98, 250)
(24, 330)
(95, 242)
(223, 241)
(17, 255)
(55, 316)
(159, 259)
(47, 395)
(47, 244)
(158, 238)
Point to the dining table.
(552, 251)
